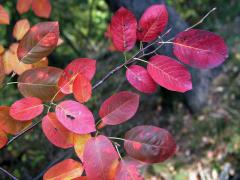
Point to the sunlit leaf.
(56, 133)
(42, 8)
(98, 156)
(26, 109)
(3, 139)
(119, 108)
(4, 16)
(21, 28)
(139, 78)
(40, 83)
(169, 73)
(10, 125)
(152, 23)
(123, 29)
(80, 141)
(2, 49)
(64, 170)
(23, 6)
(82, 88)
(11, 62)
(129, 168)
(39, 42)
(84, 66)
(149, 144)
(200, 49)
(75, 117)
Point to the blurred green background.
(208, 142)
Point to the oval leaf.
(40, 83)
(119, 108)
(10, 125)
(200, 49)
(123, 30)
(39, 42)
(129, 168)
(42, 8)
(21, 28)
(23, 6)
(3, 139)
(80, 141)
(4, 16)
(98, 157)
(75, 117)
(82, 88)
(139, 78)
(26, 109)
(149, 144)
(67, 169)
(152, 23)
(56, 133)
(84, 66)
(169, 73)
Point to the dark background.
(205, 122)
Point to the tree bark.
(196, 98)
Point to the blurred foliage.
(202, 138)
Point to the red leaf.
(21, 28)
(80, 141)
(39, 42)
(3, 139)
(67, 169)
(129, 168)
(82, 88)
(169, 73)
(139, 78)
(123, 30)
(98, 157)
(26, 109)
(55, 132)
(75, 117)
(23, 6)
(200, 49)
(149, 144)
(10, 125)
(84, 66)
(40, 83)
(4, 16)
(152, 23)
(42, 8)
(119, 108)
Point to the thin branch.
(8, 173)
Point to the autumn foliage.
(70, 123)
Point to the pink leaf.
(39, 42)
(152, 23)
(26, 109)
(55, 132)
(123, 30)
(84, 66)
(82, 88)
(169, 73)
(129, 168)
(149, 144)
(200, 49)
(139, 78)
(75, 117)
(42, 8)
(119, 108)
(98, 157)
